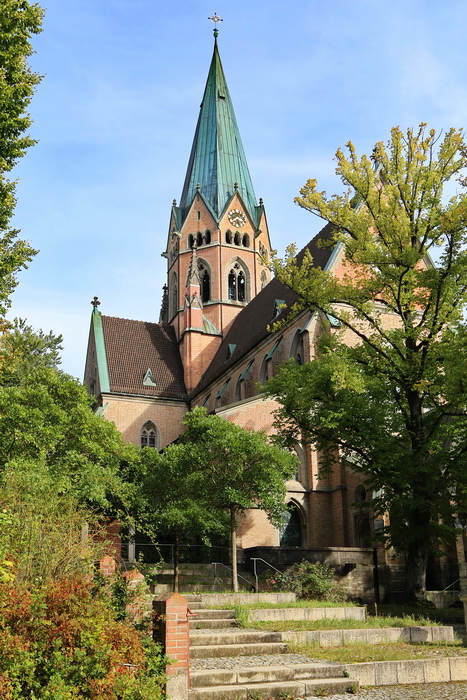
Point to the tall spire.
(217, 159)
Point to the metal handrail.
(271, 566)
(451, 584)
(229, 568)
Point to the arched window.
(240, 387)
(246, 240)
(207, 237)
(290, 529)
(265, 371)
(199, 239)
(237, 283)
(297, 348)
(237, 238)
(205, 282)
(149, 436)
(191, 241)
(173, 296)
(228, 236)
(264, 279)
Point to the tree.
(236, 469)
(388, 390)
(172, 499)
(19, 20)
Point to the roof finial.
(95, 302)
(216, 19)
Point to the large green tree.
(237, 470)
(388, 389)
(19, 20)
(172, 500)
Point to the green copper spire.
(217, 162)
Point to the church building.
(212, 346)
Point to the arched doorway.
(290, 530)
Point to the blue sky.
(116, 111)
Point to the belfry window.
(173, 296)
(205, 283)
(149, 435)
(237, 284)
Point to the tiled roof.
(133, 347)
(250, 327)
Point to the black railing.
(149, 553)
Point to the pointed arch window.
(205, 282)
(237, 283)
(191, 240)
(173, 298)
(228, 237)
(199, 239)
(207, 237)
(264, 279)
(149, 436)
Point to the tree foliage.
(214, 469)
(388, 389)
(19, 20)
(240, 469)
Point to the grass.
(444, 616)
(327, 624)
(400, 651)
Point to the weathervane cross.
(216, 19)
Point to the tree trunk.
(176, 551)
(233, 549)
(415, 569)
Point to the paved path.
(426, 691)
(259, 660)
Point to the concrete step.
(258, 648)
(234, 636)
(311, 688)
(197, 624)
(265, 674)
(206, 614)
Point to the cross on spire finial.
(95, 302)
(216, 19)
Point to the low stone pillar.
(172, 630)
(107, 565)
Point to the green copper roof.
(100, 351)
(217, 159)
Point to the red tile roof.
(250, 327)
(133, 347)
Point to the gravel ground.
(427, 691)
(242, 661)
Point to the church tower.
(218, 240)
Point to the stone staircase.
(232, 663)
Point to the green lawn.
(355, 653)
(327, 624)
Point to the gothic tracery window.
(149, 435)
(237, 283)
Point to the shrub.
(61, 642)
(313, 581)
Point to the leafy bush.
(60, 642)
(312, 581)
